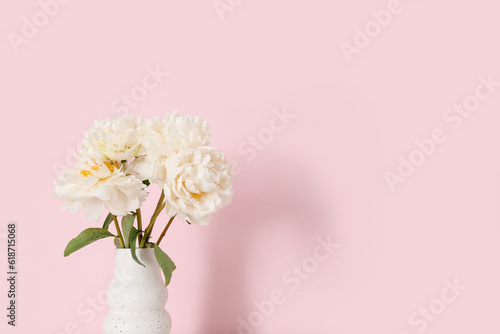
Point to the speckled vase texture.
(137, 296)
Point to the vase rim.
(137, 249)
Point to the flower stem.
(139, 223)
(149, 229)
(119, 231)
(165, 230)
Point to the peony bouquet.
(123, 156)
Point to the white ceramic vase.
(137, 296)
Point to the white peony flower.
(185, 131)
(160, 138)
(92, 186)
(198, 183)
(115, 139)
(153, 151)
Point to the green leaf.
(107, 221)
(133, 238)
(118, 243)
(146, 182)
(85, 238)
(127, 224)
(165, 262)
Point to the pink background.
(320, 176)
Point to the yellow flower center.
(111, 166)
(197, 196)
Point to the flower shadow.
(273, 211)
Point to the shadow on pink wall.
(277, 209)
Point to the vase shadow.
(269, 204)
